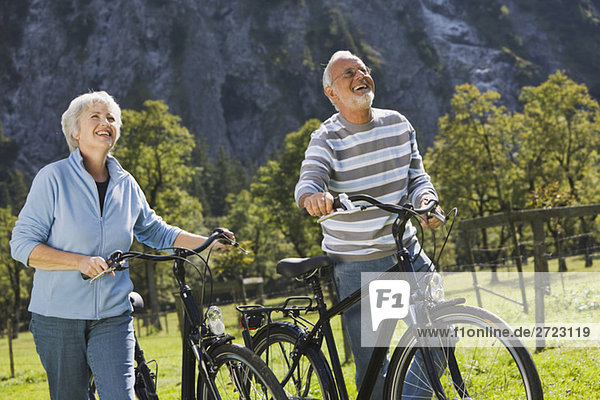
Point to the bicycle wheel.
(144, 386)
(144, 383)
(491, 367)
(238, 373)
(92, 389)
(311, 379)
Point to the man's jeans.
(347, 279)
(69, 348)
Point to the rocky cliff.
(245, 73)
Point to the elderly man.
(362, 150)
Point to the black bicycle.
(451, 366)
(145, 378)
(225, 370)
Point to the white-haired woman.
(78, 211)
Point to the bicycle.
(225, 370)
(453, 367)
(145, 378)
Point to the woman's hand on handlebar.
(92, 266)
(318, 204)
(433, 219)
(225, 242)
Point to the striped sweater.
(380, 159)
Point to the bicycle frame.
(376, 362)
(194, 346)
(194, 350)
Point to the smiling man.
(362, 150)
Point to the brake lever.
(113, 265)
(227, 240)
(101, 274)
(434, 213)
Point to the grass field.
(567, 372)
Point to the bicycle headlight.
(436, 287)
(214, 319)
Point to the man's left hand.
(428, 221)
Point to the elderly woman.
(78, 211)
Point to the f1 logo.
(388, 299)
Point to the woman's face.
(98, 129)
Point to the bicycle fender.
(293, 329)
(446, 304)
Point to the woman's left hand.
(224, 243)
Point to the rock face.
(243, 74)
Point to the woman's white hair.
(70, 118)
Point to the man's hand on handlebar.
(433, 219)
(318, 204)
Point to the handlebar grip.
(112, 261)
(337, 204)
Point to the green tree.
(562, 138)
(156, 150)
(559, 150)
(471, 159)
(14, 282)
(11, 273)
(214, 179)
(267, 216)
(486, 160)
(13, 188)
(273, 188)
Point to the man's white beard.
(365, 101)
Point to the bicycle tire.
(236, 369)
(505, 369)
(280, 339)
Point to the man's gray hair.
(70, 118)
(327, 78)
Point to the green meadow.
(567, 371)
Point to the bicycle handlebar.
(345, 203)
(116, 259)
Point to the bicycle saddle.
(136, 300)
(293, 267)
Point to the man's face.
(352, 87)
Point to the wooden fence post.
(540, 276)
(467, 238)
(10, 347)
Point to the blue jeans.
(70, 348)
(347, 279)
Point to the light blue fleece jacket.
(63, 211)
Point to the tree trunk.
(10, 347)
(15, 279)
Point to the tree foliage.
(155, 148)
(267, 215)
(562, 138)
(11, 272)
(487, 160)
